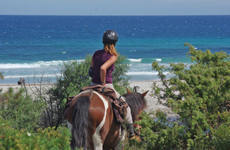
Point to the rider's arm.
(105, 66)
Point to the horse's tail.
(80, 123)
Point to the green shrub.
(74, 76)
(22, 111)
(1, 76)
(120, 79)
(202, 104)
(160, 133)
(221, 137)
(46, 139)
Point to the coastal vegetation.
(199, 93)
(1, 76)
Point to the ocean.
(38, 45)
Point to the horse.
(92, 122)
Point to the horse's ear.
(145, 93)
(128, 91)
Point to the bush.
(42, 139)
(120, 79)
(1, 76)
(160, 133)
(221, 137)
(20, 109)
(74, 76)
(202, 102)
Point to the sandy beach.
(152, 101)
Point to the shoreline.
(152, 100)
(131, 81)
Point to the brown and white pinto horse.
(92, 121)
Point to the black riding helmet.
(110, 37)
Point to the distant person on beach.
(102, 66)
(23, 81)
(20, 81)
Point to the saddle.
(119, 106)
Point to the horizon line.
(106, 15)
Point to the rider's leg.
(128, 116)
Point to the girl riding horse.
(102, 66)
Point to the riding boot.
(131, 133)
(131, 130)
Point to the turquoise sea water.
(38, 45)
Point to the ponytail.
(110, 48)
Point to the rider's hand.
(103, 83)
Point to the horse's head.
(136, 101)
(135, 91)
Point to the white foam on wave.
(31, 76)
(144, 73)
(38, 64)
(158, 59)
(135, 60)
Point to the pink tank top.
(99, 58)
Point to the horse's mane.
(135, 101)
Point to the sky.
(114, 7)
